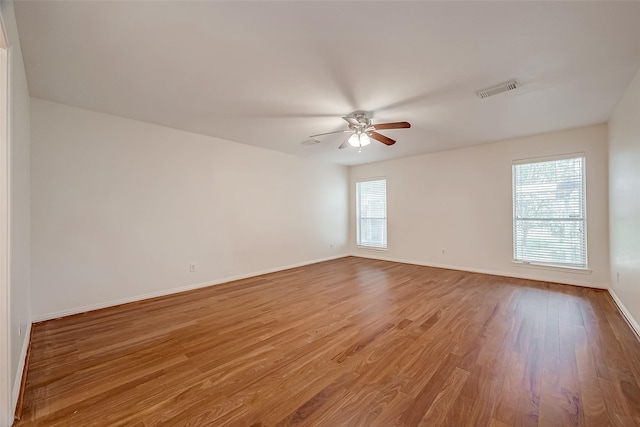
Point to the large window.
(371, 212)
(549, 224)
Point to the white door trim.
(6, 415)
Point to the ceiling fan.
(361, 130)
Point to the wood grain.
(349, 342)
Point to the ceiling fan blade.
(345, 143)
(395, 125)
(330, 133)
(379, 137)
(352, 121)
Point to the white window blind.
(371, 207)
(549, 212)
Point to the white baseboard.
(630, 319)
(21, 367)
(382, 257)
(379, 256)
(91, 307)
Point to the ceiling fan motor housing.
(364, 121)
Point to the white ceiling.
(272, 73)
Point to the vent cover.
(494, 90)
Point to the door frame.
(6, 404)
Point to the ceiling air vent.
(494, 90)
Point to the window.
(549, 224)
(371, 212)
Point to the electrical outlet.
(331, 245)
(442, 251)
(192, 267)
(618, 276)
(20, 330)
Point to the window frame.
(357, 215)
(542, 264)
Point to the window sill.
(372, 248)
(575, 270)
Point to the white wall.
(461, 201)
(624, 199)
(19, 267)
(121, 207)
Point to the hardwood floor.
(350, 342)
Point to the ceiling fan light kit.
(361, 130)
(359, 140)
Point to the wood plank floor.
(350, 342)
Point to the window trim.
(552, 267)
(357, 217)
(542, 265)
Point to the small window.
(549, 221)
(371, 208)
